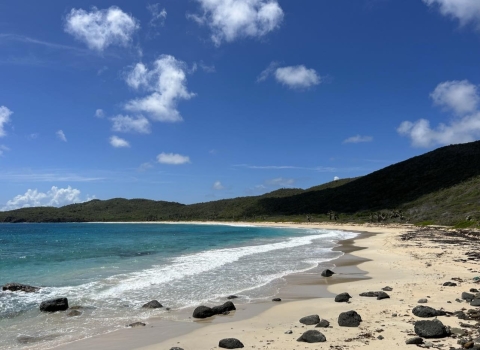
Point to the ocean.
(111, 270)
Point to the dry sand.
(415, 268)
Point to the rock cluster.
(18, 287)
(205, 311)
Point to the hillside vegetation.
(442, 186)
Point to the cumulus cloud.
(54, 197)
(466, 11)
(295, 77)
(217, 185)
(280, 182)
(167, 83)
(101, 28)
(159, 15)
(460, 97)
(230, 20)
(358, 139)
(172, 159)
(125, 123)
(99, 113)
(5, 114)
(118, 142)
(336, 178)
(61, 135)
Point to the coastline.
(414, 262)
(299, 287)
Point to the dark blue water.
(112, 269)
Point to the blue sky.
(192, 101)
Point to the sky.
(198, 100)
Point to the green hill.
(442, 186)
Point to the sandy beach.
(414, 262)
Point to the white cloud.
(172, 159)
(233, 19)
(280, 182)
(217, 185)
(297, 77)
(54, 197)
(61, 135)
(118, 142)
(462, 98)
(5, 114)
(158, 15)
(336, 178)
(167, 83)
(466, 11)
(125, 123)
(99, 113)
(459, 96)
(101, 28)
(358, 139)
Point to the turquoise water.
(113, 269)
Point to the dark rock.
(387, 289)
(468, 296)
(431, 329)
(176, 348)
(449, 284)
(136, 324)
(18, 287)
(380, 337)
(276, 299)
(73, 313)
(310, 320)
(327, 273)
(369, 294)
(289, 332)
(475, 302)
(422, 301)
(416, 340)
(468, 345)
(322, 324)
(426, 311)
(232, 297)
(312, 336)
(52, 305)
(226, 307)
(342, 298)
(349, 319)
(203, 312)
(230, 343)
(154, 304)
(382, 295)
(473, 290)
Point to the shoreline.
(415, 263)
(300, 286)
